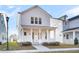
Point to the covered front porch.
(37, 35)
(69, 36)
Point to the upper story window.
(36, 20)
(40, 21)
(32, 20)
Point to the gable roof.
(35, 7)
(73, 18)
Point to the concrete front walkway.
(40, 47)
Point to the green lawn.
(15, 46)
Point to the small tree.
(76, 41)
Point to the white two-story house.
(33, 26)
(70, 30)
(3, 28)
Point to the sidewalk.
(40, 47)
(49, 50)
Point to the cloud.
(14, 12)
(11, 6)
(72, 12)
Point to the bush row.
(26, 43)
(51, 43)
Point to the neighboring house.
(13, 38)
(55, 22)
(70, 30)
(34, 26)
(2, 28)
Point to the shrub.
(51, 43)
(26, 44)
(54, 43)
(0, 43)
(76, 41)
(44, 43)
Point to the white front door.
(35, 37)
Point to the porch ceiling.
(38, 27)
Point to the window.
(25, 34)
(2, 38)
(39, 20)
(67, 36)
(64, 35)
(32, 20)
(36, 20)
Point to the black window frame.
(32, 20)
(40, 21)
(36, 20)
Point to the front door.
(35, 37)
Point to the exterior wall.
(70, 40)
(72, 35)
(3, 28)
(19, 28)
(70, 24)
(28, 36)
(35, 12)
(77, 34)
(65, 24)
(59, 29)
(74, 23)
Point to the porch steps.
(40, 47)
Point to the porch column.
(48, 36)
(31, 35)
(22, 37)
(39, 33)
(73, 35)
(54, 34)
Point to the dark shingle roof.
(71, 29)
(73, 18)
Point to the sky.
(55, 11)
